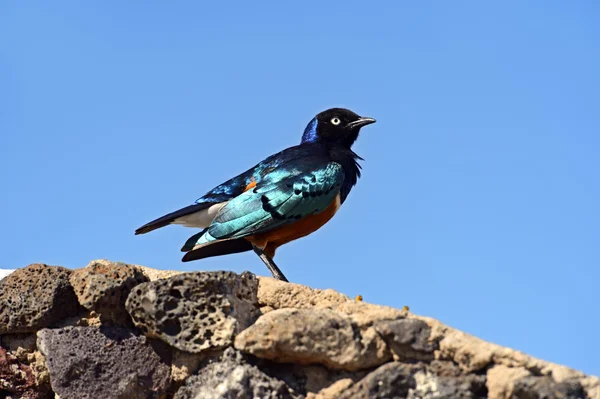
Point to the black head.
(336, 125)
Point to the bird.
(284, 197)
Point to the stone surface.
(34, 297)
(442, 379)
(156, 274)
(194, 312)
(106, 362)
(103, 287)
(532, 387)
(417, 381)
(277, 294)
(321, 336)
(231, 377)
(500, 381)
(392, 380)
(408, 339)
(17, 379)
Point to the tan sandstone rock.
(317, 336)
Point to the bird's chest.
(293, 231)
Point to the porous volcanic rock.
(103, 286)
(232, 377)
(106, 362)
(35, 297)
(195, 312)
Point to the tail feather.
(191, 242)
(218, 248)
(168, 218)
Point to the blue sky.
(479, 199)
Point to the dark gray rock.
(35, 297)
(445, 380)
(105, 362)
(231, 377)
(390, 381)
(408, 339)
(195, 312)
(545, 388)
(438, 379)
(103, 286)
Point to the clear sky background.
(479, 199)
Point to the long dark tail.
(167, 219)
(218, 248)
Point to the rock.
(231, 377)
(332, 391)
(417, 381)
(444, 380)
(516, 382)
(275, 294)
(184, 364)
(500, 381)
(531, 387)
(106, 362)
(18, 379)
(408, 339)
(195, 312)
(103, 287)
(474, 355)
(155, 274)
(34, 297)
(390, 381)
(278, 294)
(317, 336)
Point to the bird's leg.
(270, 264)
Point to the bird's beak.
(363, 121)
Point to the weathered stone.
(106, 362)
(390, 381)
(185, 364)
(34, 297)
(275, 294)
(545, 388)
(333, 391)
(317, 336)
(103, 287)
(195, 311)
(278, 294)
(408, 339)
(17, 379)
(156, 274)
(500, 381)
(307, 379)
(444, 380)
(231, 377)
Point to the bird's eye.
(335, 121)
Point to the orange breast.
(273, 239)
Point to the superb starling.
(286, 196)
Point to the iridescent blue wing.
(283, 196)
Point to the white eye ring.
(336, 121)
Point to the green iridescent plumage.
(277, 201)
